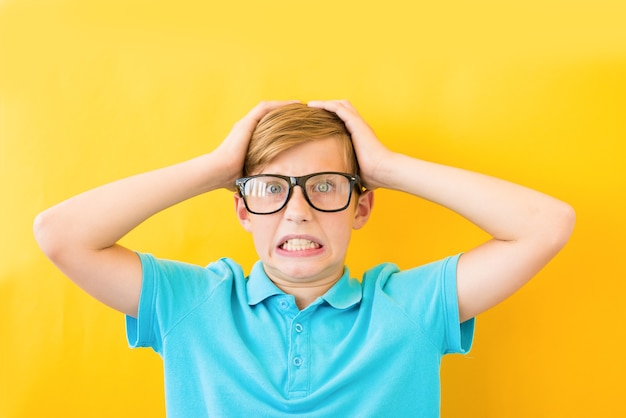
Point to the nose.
(298, 209)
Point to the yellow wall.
(531, 91)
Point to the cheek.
(340, 229)
(262, 231)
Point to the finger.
(341, 108)
(346, 112)
(331, 105)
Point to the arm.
(80, 234)
(528, 228)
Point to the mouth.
(299, 244)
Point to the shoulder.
(390, 276)
(427, 296)
(171, 290)
(171, 279)
(222, 268)
(428, 291)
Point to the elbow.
(563, 222)
(39, 230)
(46, 238)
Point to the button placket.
(299, 355)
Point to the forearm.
(507, 211)
(98, 218)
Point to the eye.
(323, 186)
(274, 188)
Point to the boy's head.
(291, 125)
(298, 244)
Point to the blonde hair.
(291, 125)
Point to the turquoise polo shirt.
(237, 346)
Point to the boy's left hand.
(371, 153)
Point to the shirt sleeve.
(170, 290)
(428, 295)
(460, 335)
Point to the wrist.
(216, 172)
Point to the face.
(300, 245)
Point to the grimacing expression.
(299, 244)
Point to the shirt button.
(298, 327)
(297, 361)
(283, 304)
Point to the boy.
(299, 336)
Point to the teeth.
(299, 244)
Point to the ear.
(364, 206)
(242, 213)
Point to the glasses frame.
(293, 181)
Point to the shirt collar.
(344, 294)
(259, 286)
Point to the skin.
(527, 227)
(308, 273)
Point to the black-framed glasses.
(328, 191)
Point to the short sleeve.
(169, 291)
(428, 296)
(139, 331)
(459, 335)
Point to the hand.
(370, 152)
(233, 149)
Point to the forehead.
(326, 154)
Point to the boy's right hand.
(234, 147)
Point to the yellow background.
(533, 91)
